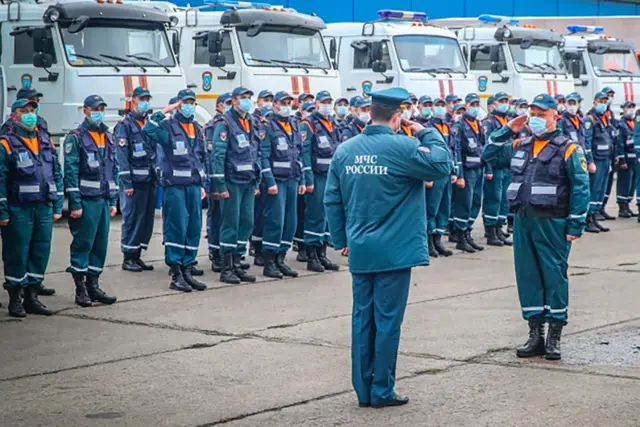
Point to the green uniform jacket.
(5, 164)
(375, 197)
(499, 153)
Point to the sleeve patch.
(587, 124)
(68, 147)
(262, 134)
(303, 135)
(423, 149)
(122, 142)
(209, 146)
(223, 135)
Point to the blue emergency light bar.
(402, 15)
(497, 19)
(585, 29)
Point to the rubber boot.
(15, 303)
(463, 244)
(270, 267)
(96, 294)
(504, 237)
(472, 242)
(313, 263)
(43, 291)
(283, 267)
(326, 262)
(600, 226)
(239, 270)
(552, 349)
(492, 239)
(591, 227)
(32, 304)
(193, 283)
(437, 243)
(259, 258)
(216, 260)
(454, 237)
(228, 275)
(129, 264)
(605, 215)
(302, 253)
(82, 297)
(535, 344)
(623, 210)
(432, 249)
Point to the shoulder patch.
(588, 124)
(223, 135)
(209, 145)
(122, 142)
(68, 147)
(345, 137)
(303, 135)
(423, 149)
(262, 134)
(583, 163)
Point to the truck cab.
(254, 45)
(602, 61)
(400, 49)
(504, 56)
(70, 49)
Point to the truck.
(399, 49)
(255, 45)
(68, 50)
(504, 56)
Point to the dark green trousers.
(237, 218)
(90, 237)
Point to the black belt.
(534, 211)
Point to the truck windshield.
(418, 53)
(288, 46)
(102, 40)
(617, 63)
(537, 58)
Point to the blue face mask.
(342, 110)
(502, 108)
(601, 108)
(426, 111)
(227, 108)
(97, 117)
(246, 105)
(143, 106)
(439, 111)
(538, 125)
(474, 111)
(29, 120)
(187, 110)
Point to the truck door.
(356, 67)
(489, 67)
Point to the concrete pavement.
(276, 353)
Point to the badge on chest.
(243, 142)
(24, 161)
(92, 160)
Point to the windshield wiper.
(620, 70)
(609, 70)
(153, 61)
(293, 63)
(117, 58)
(520, 64)
(269, 61)
(421, 70)
(93, 58)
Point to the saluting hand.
(169, 108)
(516, 124)
(415, 126)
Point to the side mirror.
(214, 41)
(376, 51)
(217, 61)
(496, 67)
(42, 40)
(526, 44)
(255, 28)
(42, 60)
(333, 49)
(175, 43)
(575, 69)
(78, 24)
(379, 67)
(494, 53)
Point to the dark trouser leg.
(193, 200)
(363, 335)
(175, 219)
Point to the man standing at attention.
(375, 198)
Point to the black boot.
(239, 270)
(188, 278)
(82, 297)
(326, 262)
(129, 264)
(492, 239)
(454, 236)
(177, 279)
(510, 220)
(283, 267)
(228, 275)
(552, 350)
(259, 258)
(472, 242)
(600, 226)
(252, 248)
(32, 304)
(43, 291)
(270, 267)
(302, 253)
(313, 262)
(591, 226)
(535, 344)
(216, 260)
(502, 236)
(605, 215)
(195, 271)
(628, 209)
(143, 265)
(432, 249)
(15, 302)
(463, 244)
(623, 210)
(437, 243)
(96, 294)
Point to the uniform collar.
(183, 119)
(378, 130)
(90, 126)
(137, 116)
(20, 131)
(468, 117)
(547, 136)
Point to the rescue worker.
(31, 198)
(438, 192)
(636, 146)
(613, 121)
(397, 166)
(561, 102)
(599, 144)
(341, 110)
(136, 159)
(551, 198)
(570, 123)
(281, 168)
(361, 117)
(457, 113)
(319, 141)
(451, 101)
(223, 104)
(182, 159)
(303, 99)
(407, 115)
(495, 206)
(491, 104)
(470, 136)
(90, 171)
(626, 160)
(236, 175)
(425, 110)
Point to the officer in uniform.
(495, 206)
(439, 192)
(319, 141)
(451, 101)
(264, 107)
(626, 160)
(636, 146)
(425, 106)
(384, 231)
(471, 139)
(550, 192)
(31, 198)
(361, 117)
(561, 102)
(570, 123)
(341, 110)
(613, 121)
(281, 168)
(599, 143)
(90, 172)
(236, 176)
(183, 156)
(223, 104)
(457, 113)
(136, 159)
(304, 99)
(407, 115)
